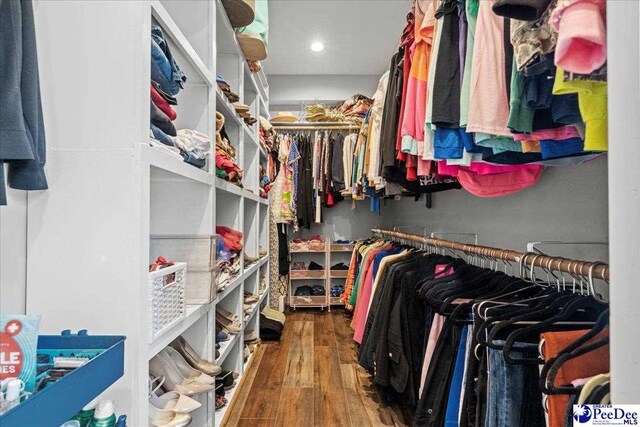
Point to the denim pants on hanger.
(506, 388)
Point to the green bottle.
(104, 415)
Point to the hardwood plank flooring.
(311, 377)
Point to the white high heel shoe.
(184, 368)
(173, 380)
(171, 400)
(162, 418)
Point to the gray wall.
(568, 203)
(287, 92)
(345, 222)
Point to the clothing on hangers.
(460, 343)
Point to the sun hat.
(284, 116)
(499, 184)
(252, 46)
(241, 12)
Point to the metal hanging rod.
(597, 270)
(315, 126)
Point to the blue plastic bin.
(60, 401)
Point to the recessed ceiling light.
(317, 46)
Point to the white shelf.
(234, 284)
(194, 313)
(252, 135)
(171, 29)
(263, 109)
(227, 346)
(173, 168)
(248, 75)
(263, 86)
(255, 307)
(264, 201)
(250, 270)
(263, 260)
(263, 152)
(228, 187)
(224, 106)
(220, 413)
(251, 196)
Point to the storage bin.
(199, 253)
(317, 246)
(341, 247)
(60, 401)
(307, 274)
(166, 298)
(339, 273)
(202, 287)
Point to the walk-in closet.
(319, 213)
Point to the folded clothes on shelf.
(315, 266)
(167, 79)
(337, 290)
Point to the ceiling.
(359, 35)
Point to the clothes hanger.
(583, 304)
(551, 367)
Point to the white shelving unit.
(110, 191)
(331, 253)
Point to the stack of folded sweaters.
(166, 81)
(228, 255)
(271, 324)
(226, 165)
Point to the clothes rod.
(315, 126)
(597, 270)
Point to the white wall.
(13, 253)
(623, 19)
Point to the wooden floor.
(311, 378)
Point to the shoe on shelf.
(221, 402)
(171, 400)
(170, 353)
(173, 379)
(227, 379)
(220, 391)
(250, 336)
(194, 359)
(247, 308)
(276, 315)
(250, 298)
(164, 418)
(222, 335)
(222, 313)
(233, 326)
(248, 259)
(262, 252)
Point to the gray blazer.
(22, 136)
